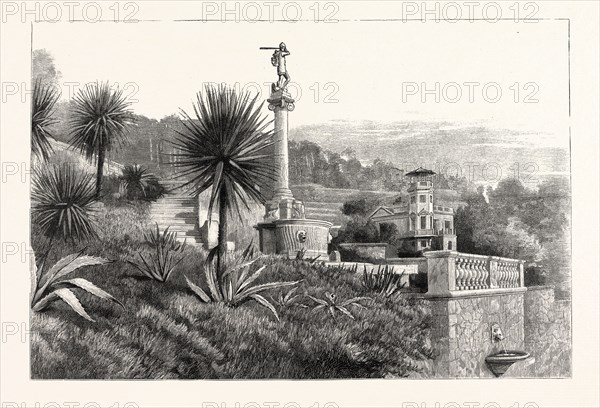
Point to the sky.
(349, 71)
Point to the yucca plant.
(166, 252)
(44, 98)
(138, 181)
(63, 202)
(225, 147)
(333, 304)
(383, 280)
(235, 286)
(99, 122)
(52, 285)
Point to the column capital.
(281, 100)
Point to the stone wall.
(469, 294)
(548, 332)
(366, 250)
(461, 332)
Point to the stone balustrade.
(450, 272)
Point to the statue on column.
(278, 60)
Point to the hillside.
(326, 203)
(446, 147)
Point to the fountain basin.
(289, 236)
(501, 361)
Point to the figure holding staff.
(278, 60)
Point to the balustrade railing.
(471, 272)
(450, 271)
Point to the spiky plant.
(333, 304)
(51, 285)
(383, 280)
(62, 202)
(137, 179)
(289, 299)
(44, 98)
(166, 252)
(235, 286)
(225, 147)
(301, 256)
(99, 122)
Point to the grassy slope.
(166, 332)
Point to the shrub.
(63, 202)
(49, 286)
(139, 183)
(164, 255)
(383, 280)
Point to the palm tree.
(99, 122)
(42, 111)
(225, 146)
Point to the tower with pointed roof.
(421, 224)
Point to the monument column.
(285, 229)
(281, 103)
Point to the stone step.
(178, 197)
(176, 227)
(172, 205)
(172, 212)
(318, 204)
(175, 202)
(174, 222)
(322, 210)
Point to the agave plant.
(289, 299)
(383, 280)
(333, 304)
(62, 202)
(225, 147)
(99, 122)
(301, 256)
(44, 98)
(166, 252)
(139, 181)
(235, 287)
(52, 285)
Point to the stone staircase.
(178, 211)
(331, 212)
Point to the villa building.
(421, 224)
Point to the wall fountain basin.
(501, 361)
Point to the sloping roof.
(420, 172)
(387, 210)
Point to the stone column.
(281, 103)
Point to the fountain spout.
(496, 333)
(500, 362)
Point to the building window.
(423, 243)
(450, 245)
(431, 199)
(422, 198)
(423, 222)
(413, 199)
(447, 225)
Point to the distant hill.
(446, 147)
